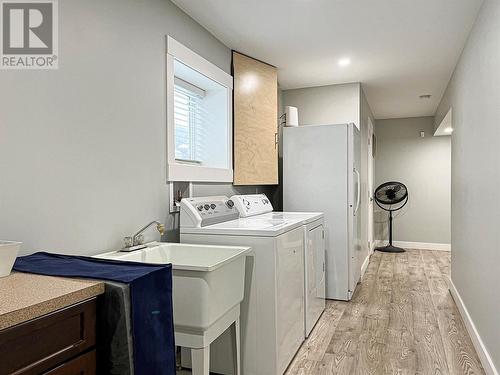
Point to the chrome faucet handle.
(128, 241)
(139, 240)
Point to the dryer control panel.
(202, 211)
(252, 204)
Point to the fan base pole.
(390, 249)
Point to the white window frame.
(177, 170)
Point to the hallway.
(401, 320)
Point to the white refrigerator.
(321, 165)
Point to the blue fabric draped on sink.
(150, 297)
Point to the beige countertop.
(25, 296)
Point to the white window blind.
(191, 122)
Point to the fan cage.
(390, 194)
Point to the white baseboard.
(483, 354)
(417, 245)
(365, 266)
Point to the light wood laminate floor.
(401, 320)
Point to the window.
(199, 118)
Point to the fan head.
(391, 193)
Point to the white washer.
(272, 311)
(314, 252)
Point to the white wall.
(278, 194)
(334, 104)
(474, 95)
(83, 148)
(365, 114)
(424, 166)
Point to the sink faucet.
(136, 242)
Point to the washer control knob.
(207, 207)
(200, 208)
(230, 203)
(212, 206)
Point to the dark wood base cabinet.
(60, 343)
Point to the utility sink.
(208, 283)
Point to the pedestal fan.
(391, 196)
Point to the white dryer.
(314, 251)
(272, 311)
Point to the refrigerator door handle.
(358, 195)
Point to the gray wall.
(334, 104)
(365, 113)
(474, 95)
(424, 166)
(278, 194)
(83, 148)
(337, 104)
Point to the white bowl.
(8, 255)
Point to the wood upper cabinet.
(255, 122)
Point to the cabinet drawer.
(43, 343)
(82, 365)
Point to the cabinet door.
(289, 296)
(315, 273)
(42, 343)
(255, 122)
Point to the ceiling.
(399, 49)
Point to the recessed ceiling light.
(448, 130)
(425, 96)
(344, 62)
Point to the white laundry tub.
(208, 281)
